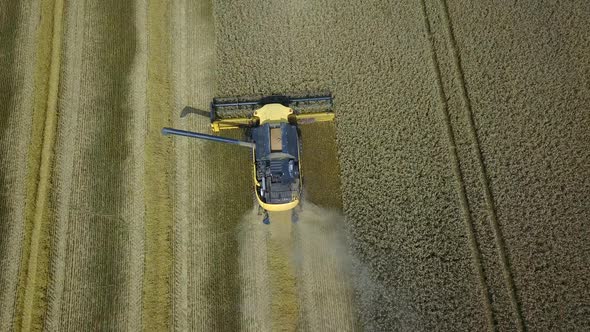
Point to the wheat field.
(450, 193)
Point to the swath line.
(509, 281)
(159, 170)
(284, 303)
(135, 202)
(458, 175)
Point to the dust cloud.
(300, 275)
(324, 269)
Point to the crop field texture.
(451, 193)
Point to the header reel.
(226, 113)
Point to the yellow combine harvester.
(273, 136)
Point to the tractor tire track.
(475, 250)
(483, 177)
(518, 71)
(482, 213)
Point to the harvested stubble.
(324, 270)
(82, 262)
(212, 277)
(213, 261)
(255, 277)
(283, 284)
(432, 103)
(22, 69)
(198, 233)
(94, 247)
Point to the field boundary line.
(498, 237)
(49, 133)
(458, 174)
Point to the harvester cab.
(273, 136)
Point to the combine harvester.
(271, 132)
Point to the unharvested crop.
(526, 112)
